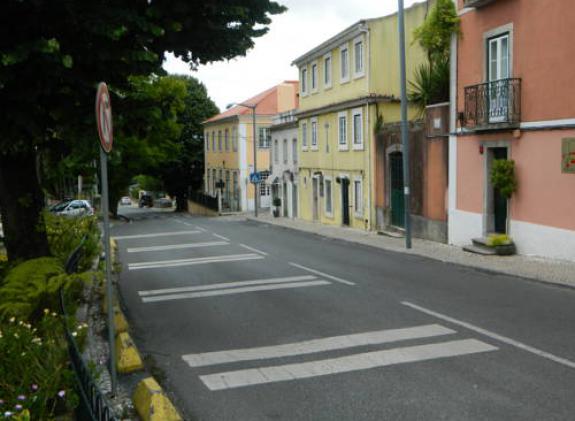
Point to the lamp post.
(256, 185)
(404, 134)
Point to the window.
(314, 133)
(294, 151)
(208, 184)
(214, 181)
(285, 152)
(342, 131)
(227, 139)
(214, 141)
(265, 137)
(304, 136)
(357, 197)
(327, 71)
(328, 197)
(264, 187)
(235, 139)
(219, 140)
(276, 151)
(304, 81)
(207, 139)
(357, 129)
(358, 58)
(314, 77)
(344, 64)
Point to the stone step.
(483, 250)
(480, 242)
(394, 233)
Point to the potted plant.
(277, 202)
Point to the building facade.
(284, 153)
(349, 86)
(512, 100)
(229, 143)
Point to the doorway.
(294, 200)
(345, 200)
(397, 197)
(315, 198)
(285, 200)
(496, 203)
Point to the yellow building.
(228, 146)
(345, 84)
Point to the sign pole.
(105, 132)
(109, 289)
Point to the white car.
(73, 208)
(125, 201)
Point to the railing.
(93, 404)
(476, 3)
(205, 200)
(493, 105)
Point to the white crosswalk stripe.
(156, 234)
(363, 361)
(194, 261)
(177, 246)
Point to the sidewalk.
(545, 270)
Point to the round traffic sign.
(104, 117)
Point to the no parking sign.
(104, 117)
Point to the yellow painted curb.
(127, 356)
(120, 322)
(152, 404)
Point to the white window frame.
(357, 146)
(227, 139)
(285, 151)
(235, 139)
(294, 150)
(328, 213)
(304, 136)
(327, 84)
(213, 140)
(361, 72)
(314, 134)
(303, 80)
(342, 146)
(314, 73)
(220, 146)
(275, 152)
(342, 78)
(207, 139)
(358, 213)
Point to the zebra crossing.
(322, 366)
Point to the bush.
(33, 285)
(34, 373)
(277, 202)
(503, 177)
(65, 234)
(494, 240)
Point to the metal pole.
(404, 134)
(256, 185)
(109, 289)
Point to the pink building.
(513, 97)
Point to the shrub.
(277, 202)
(33, 285)
(34, 374)
(503, 177)
(65, 234)
(494, 240)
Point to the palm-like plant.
(430, 84)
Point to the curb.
(152, 404)
(128, 358)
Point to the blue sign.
(255, 177)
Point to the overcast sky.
(306, 24)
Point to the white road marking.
(226, 285)
(364, 361)
(157, 234)
(230, 291)
(177, 246)
(325, 275)
(316, 345)
(195, 261)
(493, 335)
(221, 237)
(200, 229)
(253, 249)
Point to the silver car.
(73, 208)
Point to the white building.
(284, 164)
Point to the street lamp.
(256, 185)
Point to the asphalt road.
(249, 321)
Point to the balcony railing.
(476, 3)
(493, 105)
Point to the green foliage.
(35, 381)
(65, 234)
(277, 202)
(503, 177)
(33, 286)
(494, 240)
(148, 183)
(434, 35)
(430, 85)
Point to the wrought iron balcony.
(493, 105)
(476, 3)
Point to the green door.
(397, 196)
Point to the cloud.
(305, 25)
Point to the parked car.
(164, 202)
(126, 201)
(146, 200)
(73, 208)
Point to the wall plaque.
(568, 155)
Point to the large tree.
(54, 52)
